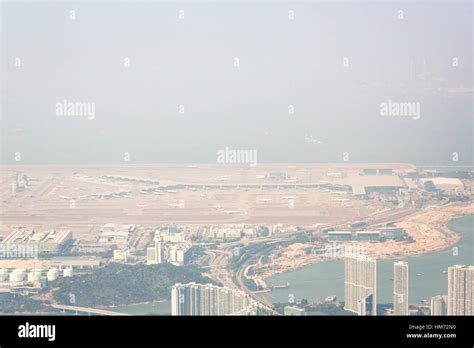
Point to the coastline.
(414, 228)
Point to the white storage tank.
(3, 274)
(18, 275)
(34, 275)
(67, 272)
(52, 274)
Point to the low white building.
(447, 185)
(154, 254)
(229, 231)
(170, 237)
(177, 254)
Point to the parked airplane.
(288, 197)
(230, 211)
(178, 205)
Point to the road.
(87, 310)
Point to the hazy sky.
(284, 65)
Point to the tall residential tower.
(208, 299)
(438, 305)
(360, 285)
(400, 288)
(460, 286)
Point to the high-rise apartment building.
(360, 282)
(439, 305)
(460, 286)
(208, 299)
(400, 288)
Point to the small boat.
(418, 274)
(282, 286)
(330, 298)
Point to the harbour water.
(427, 273)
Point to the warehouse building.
(450, 186)
(43, 243)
